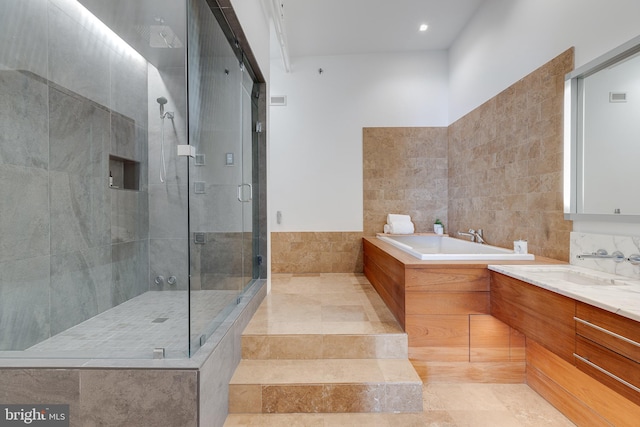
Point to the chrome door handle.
(240, 199)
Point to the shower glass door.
(247, 185)
(220, 174)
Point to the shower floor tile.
(134, 328)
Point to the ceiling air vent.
(279, 101)
(617, 97)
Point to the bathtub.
(444, 248)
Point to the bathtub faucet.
(475, 236)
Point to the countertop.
(617, 294)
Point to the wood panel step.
(328, 385)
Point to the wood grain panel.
(517, 345)
(612, 322)
(386, 274)
(464, 372)
(384, 286)
(393, 268)
(618, 365)
(450, 279)
(572, 384)
(447, 303)
(565, 402)
(438, 330)
(439, 354)
(489, 339)
(539, 314)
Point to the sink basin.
(572, 274)
(578, 278)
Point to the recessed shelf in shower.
(125, 173)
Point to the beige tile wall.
(404, 171)
(316, 252)
(505, 164)
(498, 168)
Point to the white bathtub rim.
(502, 254)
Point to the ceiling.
(140, 23)
(312, 27)
(342, 27)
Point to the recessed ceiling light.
(424, 27)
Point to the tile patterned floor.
(134, 328)
(322, 304)
(347, 304)
(445, 405)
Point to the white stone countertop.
(617, 294)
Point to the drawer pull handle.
(606, 331)
(607, 373)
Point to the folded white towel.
(391, 218)
(387, 229)
(401, 227)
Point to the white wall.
(316, 139)
(507, 39)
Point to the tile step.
(328, 385)
(325, 346)
(334, 420)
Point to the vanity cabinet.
(582, 359)
(541, 315)
(608, 349)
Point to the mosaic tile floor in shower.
(134, 328)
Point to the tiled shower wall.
(70, 247)
(505, 164)
(498, 168)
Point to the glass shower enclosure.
(130, 163)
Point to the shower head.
(162, 100)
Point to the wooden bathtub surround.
(445, 309)
(557, 329)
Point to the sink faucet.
(617, 256)
(474, 236)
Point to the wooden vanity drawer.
(618, 333)
(539, 314)
(619, 373)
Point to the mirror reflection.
(611, 142)
(604, 147)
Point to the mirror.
(602, 137)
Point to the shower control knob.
(172, 280)
(159, 280)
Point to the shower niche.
(124, 174)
